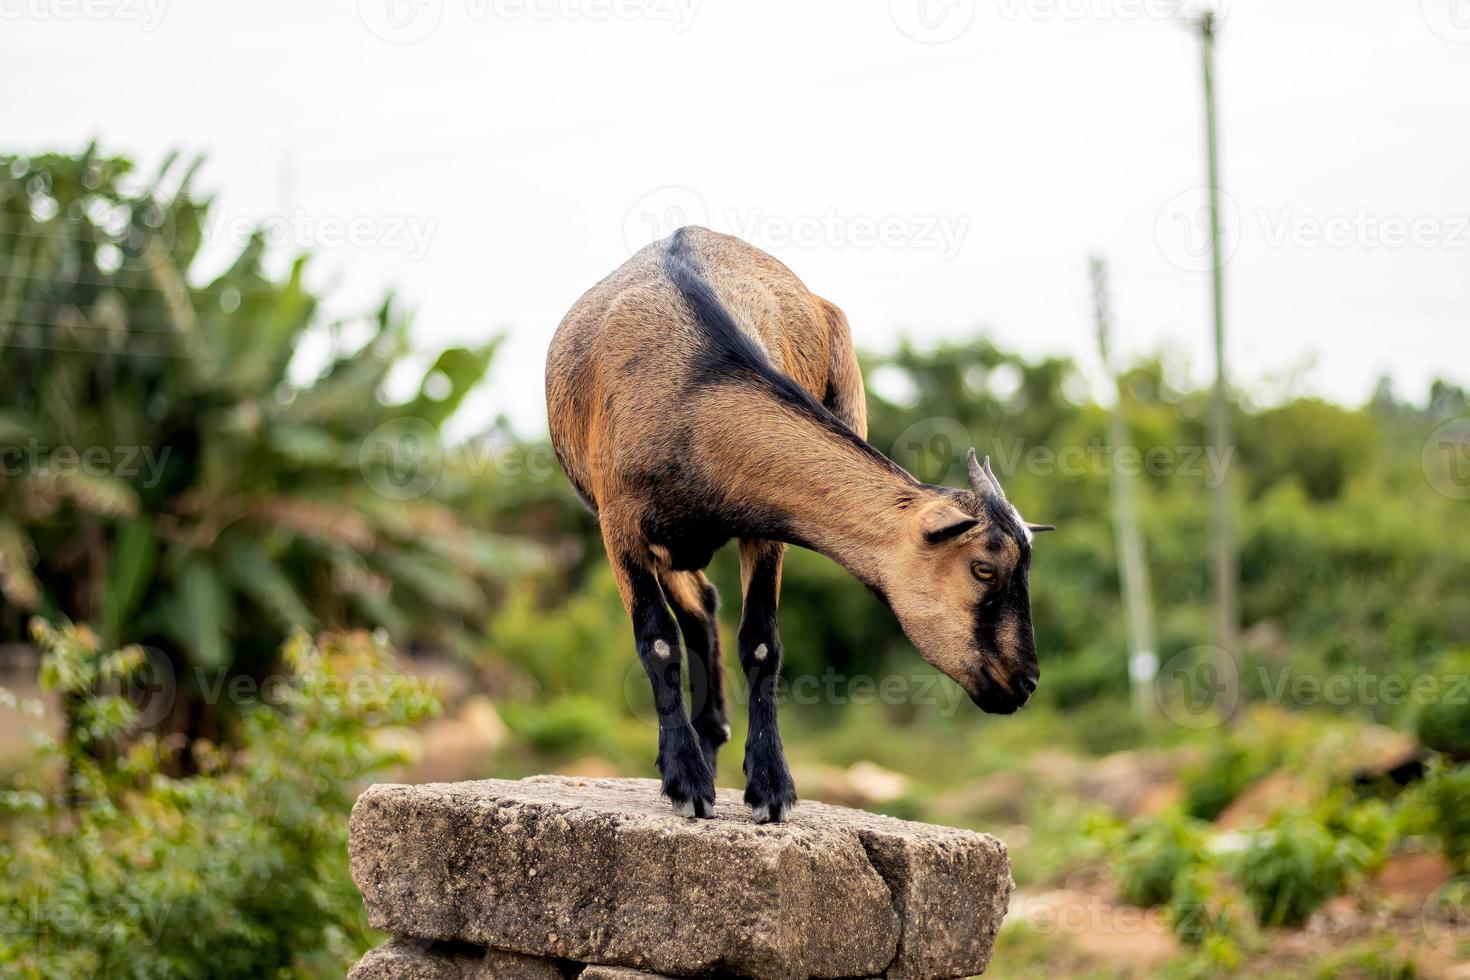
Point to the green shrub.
(564, 725)
(1197, 908)
(1440, 807)
(1217, 781)
(1153, 855)
(112, 868)
(1293, 865)
(1444, 724)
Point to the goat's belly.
(690, 540)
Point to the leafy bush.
(1216, 782)
(177, 476)
(1199, 909)
(112, 868)
(1293, 865)
(1153, 855)
(1440, 806)
(1444, 724)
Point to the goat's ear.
(942, 520)
(1038, 528)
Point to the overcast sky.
(932, 166)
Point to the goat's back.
(628, 362)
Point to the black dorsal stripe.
(728, 355)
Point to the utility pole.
(1227, 616)
(1143, 658)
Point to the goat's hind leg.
(694, 602)
(768, 786)
(687, 780)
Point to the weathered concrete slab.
(411, 959)
(603, 872)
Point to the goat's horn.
(993, 481)
(982, 481)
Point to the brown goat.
(702, 393)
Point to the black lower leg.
(687, 780)
(768, 786)
(706, 674)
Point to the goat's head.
(961, 591)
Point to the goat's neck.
(835, 498)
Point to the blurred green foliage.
(1444, 722)
(175, 475)
(274, 487)
(1154, 854)
(1292, 865)
(109, 867)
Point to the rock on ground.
(601, 871)
(413, 959)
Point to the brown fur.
(631, 414)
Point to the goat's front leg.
(768, 786)
(687, 780)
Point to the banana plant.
(167, 476)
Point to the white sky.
(512, 152)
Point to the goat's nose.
(1027, 682)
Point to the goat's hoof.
(687, 780)
(772, 812)
(704, 809)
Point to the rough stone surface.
(617, 973)
(412, 959)
(601, 871)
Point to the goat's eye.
(983, 570)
